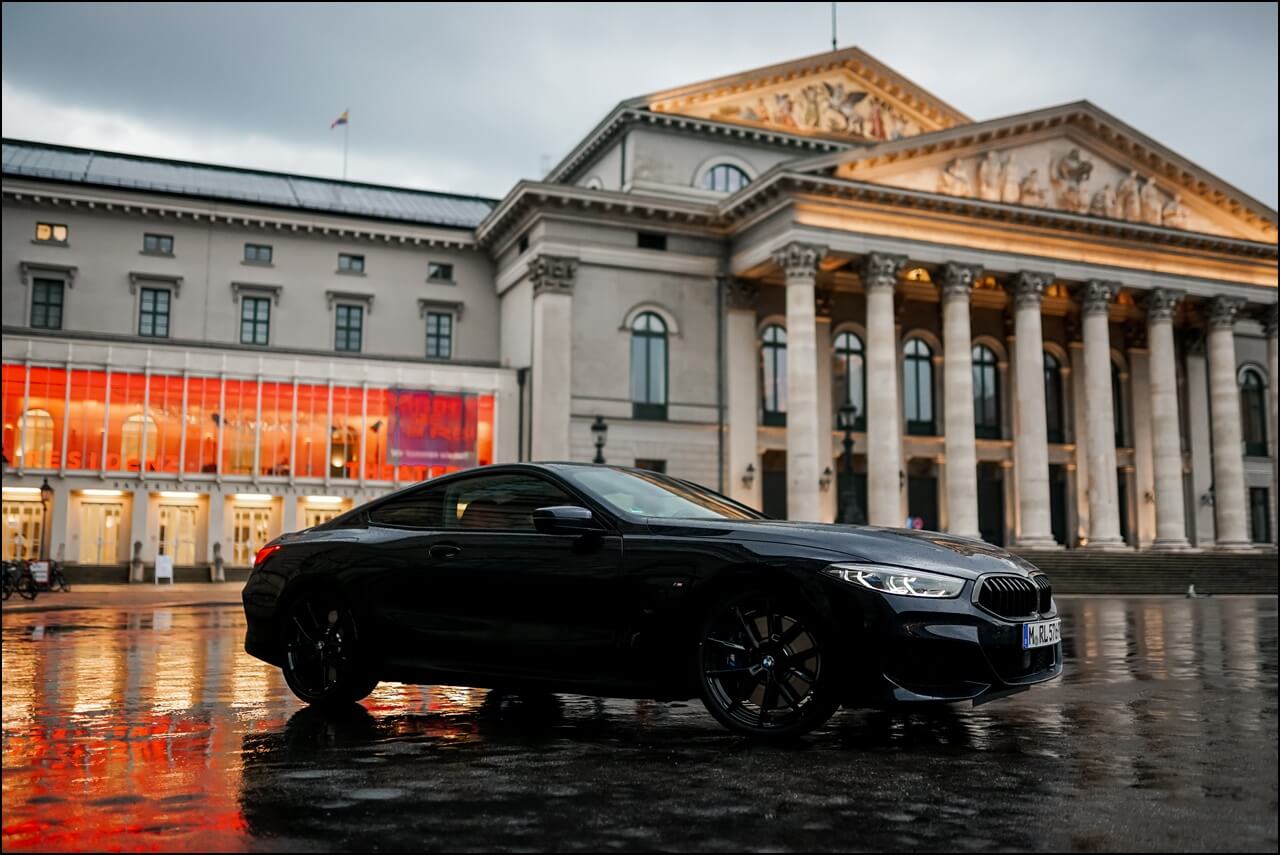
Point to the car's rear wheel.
(764, 665)
(322, 658)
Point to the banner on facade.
(432, 428)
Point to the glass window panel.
(238, 420)
(377, 464)
(657, 370)
(42, 443)
(126, 422)
(638, 368)
(313, 430)
(484, 430)
(277, 429)
(84, 431)
(204, 412)
(166, 415)
(14, 381)
(344, 455)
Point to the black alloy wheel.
(764, 669)
(322, 662)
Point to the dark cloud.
(471, 96)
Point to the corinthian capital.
(880, 270)
(1161, 304)
(1028, 288)
(740, 293)
(958, 279)
(553, 274)
(799, 259)
(1223, 311)
(1096, 295)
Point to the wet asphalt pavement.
(149, 728)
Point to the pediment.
(845, 95)
(1073, 167)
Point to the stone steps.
(1075, 572)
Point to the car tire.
(320, 648)
(767, 668)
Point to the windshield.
(649, 494)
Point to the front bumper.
(908, 650)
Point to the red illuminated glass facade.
(87, 420)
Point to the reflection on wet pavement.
(151, 729)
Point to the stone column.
(742, 392)
(1230, 510)
(289, 513)
(1269, 324)
(1104, 502)
(1032, 439)
(957, 380)
(553, 279)
(217, 525)
(884, 428)
(1166, 435)
(799, 261)
(823, 301)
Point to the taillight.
(263, 554)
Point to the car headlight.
(894, 580)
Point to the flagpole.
(346, 138)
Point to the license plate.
(1041, 634)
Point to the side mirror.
(564, 519)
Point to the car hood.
(918, 550)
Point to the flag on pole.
(341, 120)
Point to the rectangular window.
(46, 304)
(437, 272)
(153, 313)
(255, 320)
(257, 253)
(164, 433)
(350, 324)
(651, 240)
(238, 418)
(51, 233)
(204, 417)
(522, 245)
(275, 452)
(157, 244)
(439, 335)
(350, 263)
(313, 430)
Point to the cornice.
(53, 196)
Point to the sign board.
(164, 568)
(40, 572)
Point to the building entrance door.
(178, 533)
(991, 503)
(100, 532)
(251, 531)
(1058, 503)
(23, 529)
(773, 484)
(922, 500)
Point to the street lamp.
(46, 496)
(598, 430)
(850, 513)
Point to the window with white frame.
(439, 335)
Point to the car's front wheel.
(322, 658)
(765, 667)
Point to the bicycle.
(56, 580)
(17, 577)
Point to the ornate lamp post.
(850, 513)
(598, 431)
(46, 496)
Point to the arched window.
(648, 367)
(36, 427)
(725, 178)
(1053, 398)
(850, 376)
(986, 393)
(773, 357)
(917, 388)
(1253, 412)
(131, 439)
(1117, 404)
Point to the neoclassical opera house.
(1048, 329)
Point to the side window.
(419, 509)
(500, 502)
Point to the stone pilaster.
(955, 284)
(1035, 527)
(1103, 490)
(1269, 325)
(553, 280)
(742, 392)
(799, 262)
(884, 429)
(1166, 434)
(1229, 504)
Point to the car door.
(523, 602)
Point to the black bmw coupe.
(620, 582)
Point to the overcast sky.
(472, 97)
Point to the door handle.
(441, 551)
